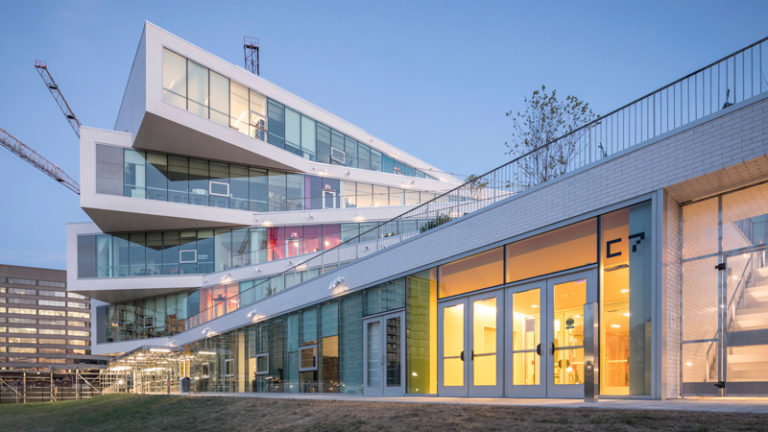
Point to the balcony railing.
(731, 80)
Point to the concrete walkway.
(730, 404)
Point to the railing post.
(25, 386)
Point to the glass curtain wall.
(197, 89)
(165, 177)
(724, 252)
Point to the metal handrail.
(636, 122)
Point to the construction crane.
(23, 151)
(42, 69)
(251, 53)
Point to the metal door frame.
(384, 390)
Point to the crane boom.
(23, 151)
(42, 69)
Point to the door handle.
(538, 349)
(473, 355)
(552, 352)
(462, 356)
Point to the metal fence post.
(25, 386)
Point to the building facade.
(42, 325)
(252, 242)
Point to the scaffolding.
(251, 52)
(22, 386)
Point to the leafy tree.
(545, 118)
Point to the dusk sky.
(432, 78)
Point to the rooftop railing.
(731, 80)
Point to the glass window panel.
(376, 164)
(349, 231)
(276, 128)
(205, 251)
(700, 303)
(484, 331)
(568, 247)
(121, 255)
(277, 191)
(481, 270)
(387, 164)
(308, 130)
(453, 345)
(188, 252)
(171, 252)
(154, 253)
(238, 100)
(568, 307)
(197, 89)
(700, 233)
(411, 197)
(198, 181)
(295, 191)
(86, 257)
(222, 246)
(745, 218)
(134, 174)
(526, 325)
(157, 181)
(396, 197)
(697, 362)
(174, 79)
(238, 187)
(241, 247)
(323, 143)
(364, 195)
(137, 254)
(258, 115)
(421, 336)
(380, 196)
(219, 187)
(330, 319)
(351, 152)
(373, 354)
(363, 156)
(308, 325)
(338, 153)
(348, 194)
(351, 343)
(219, 99)
(258, 189)
(178, 179)
(292, 131)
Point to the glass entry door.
(469, 342)
(545, 342)
(384, 355)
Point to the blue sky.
(433, 78)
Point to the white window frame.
(149, 322)
(194, 260)
(210, 188)
(227, 363)
(333, 195)
(303, 348)
(335, 156)
(262, 372)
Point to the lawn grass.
(116, 413)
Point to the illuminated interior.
(484, 314)
(526, 325)
(568, 307)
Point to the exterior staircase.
(747, 354)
